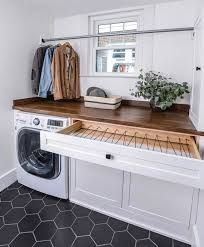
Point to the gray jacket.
(37, 68)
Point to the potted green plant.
(159, 89)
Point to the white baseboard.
(196, 239)
(7, 179)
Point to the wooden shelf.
(136, 116)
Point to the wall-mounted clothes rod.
(120, 33)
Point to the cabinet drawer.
(163, 155)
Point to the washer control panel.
(38, 121)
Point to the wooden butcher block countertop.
(138, 116)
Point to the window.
(116, 54)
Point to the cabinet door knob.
(109, 156)
(198, 68)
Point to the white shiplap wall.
(169, 53)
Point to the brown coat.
(65, 73)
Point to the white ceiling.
(71, 7)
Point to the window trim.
(125, 16)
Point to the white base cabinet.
(150, 178)
(160, 206)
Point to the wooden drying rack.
(153, 140)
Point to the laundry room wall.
(21, 26)
(170, 53)
(199, 7)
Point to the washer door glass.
(33, 159)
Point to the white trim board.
(7, 179)
(196, 239)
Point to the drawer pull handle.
(109, 156)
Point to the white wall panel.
(169, 53)
(21, 28)
(175, 14)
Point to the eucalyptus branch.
(160, 90)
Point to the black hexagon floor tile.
(25, 190)
(34, 206)
(29, 223)
(65, 205)
(80, 211)
(14, 215)
(15, 185)
(63, 238)
(9, 195)
(3, 191)
(50, 200)
(107, 245)
(160, 240)
(84, 242)
(82, 226)
(102, 234)
(45, 230)
(1, 222)
(122, 239)
(146, 243)
(180, 244)
(49, 212)
(98, 218)
(65, 219)
(137, 232)
(23, 239)
(37, 195)
(21, 200)
(117, 225)
(8, 233)
(43, 244)
(45, 221)
(4, 207)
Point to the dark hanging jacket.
(37, 68)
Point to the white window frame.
(125, 16)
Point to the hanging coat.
(45, 87)
(65, 73)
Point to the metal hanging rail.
(121, 33)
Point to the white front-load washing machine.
(37, 169)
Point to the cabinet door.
(98, 184)
(161, 201)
